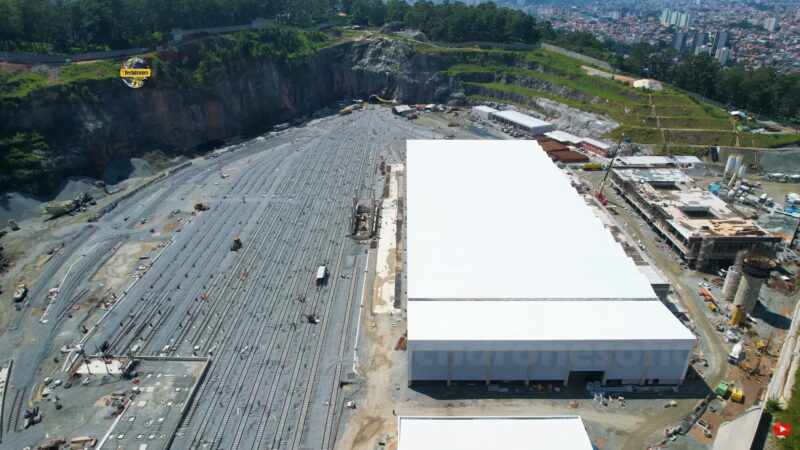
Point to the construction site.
(702, 227)
(378, 280)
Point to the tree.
(396, 10)
(376, 12)
(10, 20)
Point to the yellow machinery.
(737, 317)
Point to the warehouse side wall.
(666, 366)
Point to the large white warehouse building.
(511, 276)
(482, 433)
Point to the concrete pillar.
(731, 284)
(747, 294)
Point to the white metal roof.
(554, 321)
(687, 159)
(521, 119)
(482, 433)
(643, 160)
(656, 160)
(563, 136)
(596, 143)
(484, 108)
(498, 220)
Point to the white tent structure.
(511, 276)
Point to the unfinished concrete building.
(700, 226)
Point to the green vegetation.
(100, 70)
(452, 22)
(47, 26)
(20, 83)
(706, 123)
(768, 140)
(97, 25)
(773, 406)
(22, 151)
(761, 90)
(790, 415)
(210, 59)
(669, 117)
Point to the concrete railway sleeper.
(307, 236)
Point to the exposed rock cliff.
(88, 124)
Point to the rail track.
(275, 376)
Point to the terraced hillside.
(671, 119)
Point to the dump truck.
(322, 275)
(237, 244)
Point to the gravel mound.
(123, 169)
(17, 206)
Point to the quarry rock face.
(89, 124)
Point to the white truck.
(735, 356)
(322, 275)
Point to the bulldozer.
(237, 244)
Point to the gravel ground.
(278, 379)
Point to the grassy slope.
(790, 415)
(691, 122)
(279, 43)
(19, 83)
